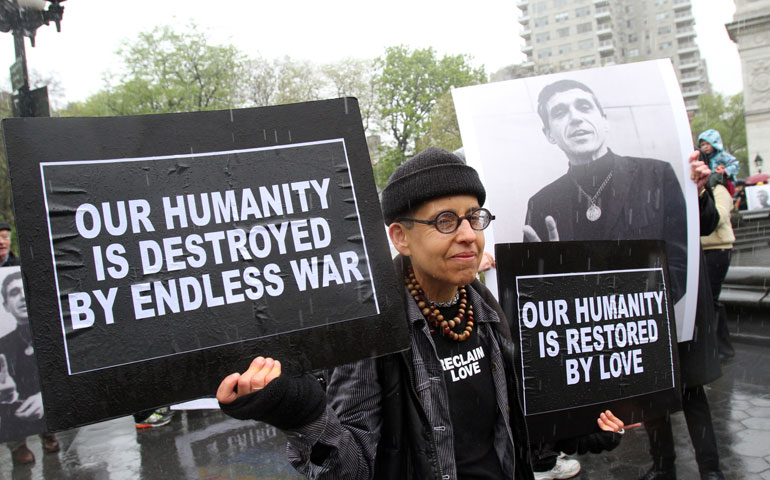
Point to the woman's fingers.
(226, 391)
(608, 422)
(261, 371)
(270, 370)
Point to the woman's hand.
(610, 423)
(261, 372)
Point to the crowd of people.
(402, 415)
(407, 415)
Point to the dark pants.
(543, 457)
(698, 417)
(717, 263)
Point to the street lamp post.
(22, 18)
(758, 161)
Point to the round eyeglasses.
(448, 221)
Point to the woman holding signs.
(447, 408)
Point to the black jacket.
(405, 449)
(642, 201)
(699, 358)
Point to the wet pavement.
(208, 445)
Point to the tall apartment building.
(563, 35)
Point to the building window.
(585, 27)
(665, 46)
(582, 11)
(540, 7)
(563, 32)
(660, 2)
(586, 44)
(561, 17)
(566, 65)
(542, 37)
(544, 53)
(661, 16)
(587, 61)
(664, 30)
(632, 38)
(566, 48)
(634, 52)
(630, 23)
(541, 21)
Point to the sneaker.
(158, 418)
(564, 468)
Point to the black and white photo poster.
(597, 154)
(21, 405)
(180, 246)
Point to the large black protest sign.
(595, 329)
(183, 245)
(195, 250)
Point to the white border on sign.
(604, 272)
(181, 156)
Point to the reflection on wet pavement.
(209, 445)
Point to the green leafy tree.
(352, 77)
(6, 202)
(166, 71)
(280, 81)
(442, 128)
(725, 114)
(388, 158)
(409, 85)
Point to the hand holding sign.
(263, 394)
(699, 171)
(261, 372)
(608, 422)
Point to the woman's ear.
(399, 237)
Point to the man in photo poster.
(604, 195)
(21, 403)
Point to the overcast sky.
(92, 31)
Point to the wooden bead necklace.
(434, 317)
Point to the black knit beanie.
(432, 173)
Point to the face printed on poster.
(212, 243)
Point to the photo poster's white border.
(604, 272)
(43, 166)
(752, 203)
(503, 140)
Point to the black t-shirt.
(472, 402)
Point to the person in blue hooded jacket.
(710, 143)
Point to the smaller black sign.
(596, 331)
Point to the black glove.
(288, 402)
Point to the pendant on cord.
(593, 213)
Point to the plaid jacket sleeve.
(342, 443)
